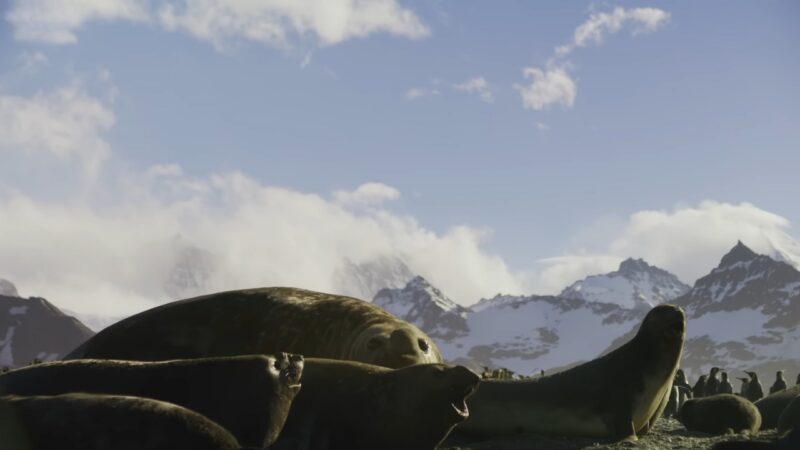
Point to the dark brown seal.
(105, 422)
(346, 405)
(720, 414)
(618, 396)
(773, 405)
(248, 395)
(790, 417)
(268, 321)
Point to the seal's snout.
(290, 368)
(465, 383)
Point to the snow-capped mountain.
(635, 284)
(426, 307)
(364, 280)
(33, 328)
(744, 315)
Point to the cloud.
(55, 21)
(367, 194)
(67, 124)
(220, 22)
(543, 126)
(548, 87)
(419, 92)
(271, 21)
(554, 85)
(477, 85)
(31, 62)
(594, 30)
(688, 241)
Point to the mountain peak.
(739, 253)
(631, 265)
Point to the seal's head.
(664, 324)
(393, 346)
(427, 401)
(285, 371)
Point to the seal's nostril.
(423, 345)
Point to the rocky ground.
(668, 434)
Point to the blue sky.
(666, 110)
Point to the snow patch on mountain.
(635, 284)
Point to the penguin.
(725, 386)
(779, 384)
(699, 387)
(711, 383)
(754, 389)
(745, 381)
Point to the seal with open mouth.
(348, 405)
(104, 422)
(618, 395)
(248, 395)
(265, 320)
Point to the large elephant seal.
(248, 395)
(720, 414)
(618, 396)
(105, 422)
(773, 405)
(790, 417)
(266, 320)
(346, 405)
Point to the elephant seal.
(618, 395)
(265, 321)
(754, 390)
(106, 422)
(699, 387)
(248, 395)
(790, 441)
(347, 405)
(720, 414)
(790, 417)
(773, 405)
(779, 384)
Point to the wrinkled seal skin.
(773, 405)
(248, 395)
(265, 320)
(347, 405)
(617, 396)
(105, 422)
(790, 417)
(720, 414)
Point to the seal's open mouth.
(459, 400)
(290, 367)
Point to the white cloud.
(688, 241)
(543, 126)
(271, 21)
(55, 21)
(477, 85)
(66, 124)
(594, 30)
(31, 62)
(554, 84)
(418, 92)
(367, 194)
(548, 87)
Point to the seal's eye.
(423, 345)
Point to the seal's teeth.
(460, 408)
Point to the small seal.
(346, 405)
(248, 395)
(265, 321)
(618, 395)
(773, 405)
(720, 414)
(102, 422)
(790, 417)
